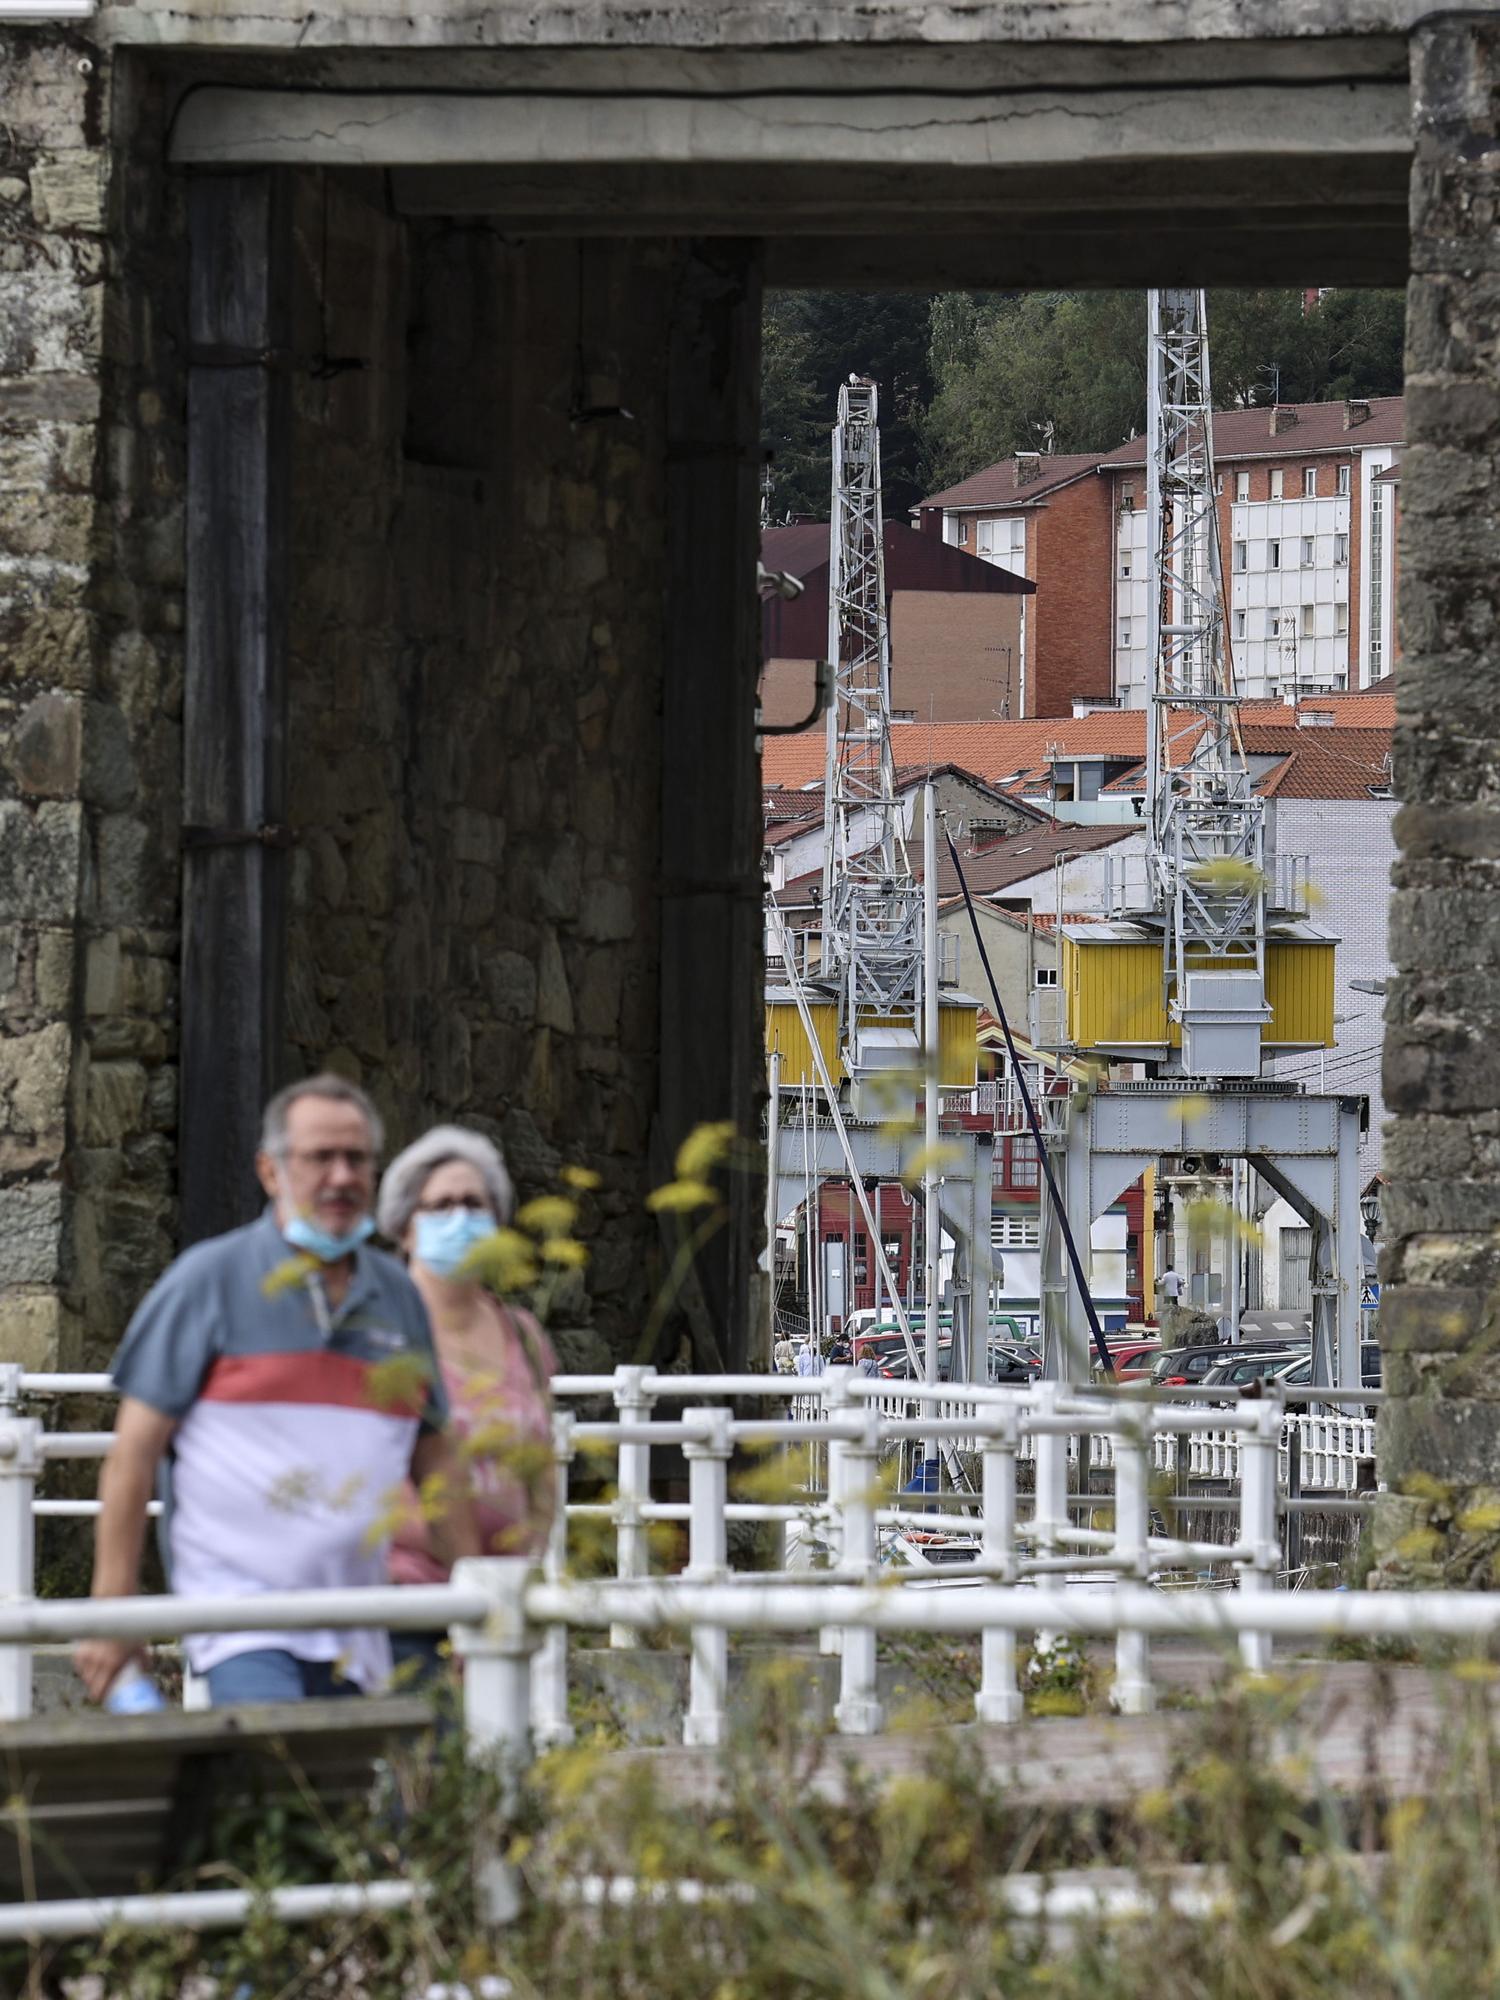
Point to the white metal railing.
(501, 1615)
(849, 1430)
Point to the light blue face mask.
(446, 1236)
(305, 1234)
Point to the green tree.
(813, 341)
(1066, 371)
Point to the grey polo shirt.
(296, 1423)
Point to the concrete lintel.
(1029, 129)
(887, 27)
(1231, 192)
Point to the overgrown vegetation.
(811, 1880)
(967, 378)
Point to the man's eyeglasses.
(476, 1204)
(357, 1159)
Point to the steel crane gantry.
(1208, 972)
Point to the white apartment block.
(1308, 547)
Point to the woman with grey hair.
(439, 1200)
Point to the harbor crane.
(855, 1013)
(1209, 969)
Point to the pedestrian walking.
(439, 1201)
(281, 1378)
(809, 1360)
(784, 1356)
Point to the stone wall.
(90, 619)
(477, 606)
(478, 613)
(1440, 1310)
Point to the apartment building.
(1307, 500)
(1306, 507)
(1043, 516)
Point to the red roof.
(997, 485)
(1238, 434)
(996, 752)
(1328, 764)
(1016, 755)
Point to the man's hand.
(125, 1487)
(98, 1662)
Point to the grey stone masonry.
(86, 908)
(1440, 1312)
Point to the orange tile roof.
(996, 752)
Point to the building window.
(1241, 555)
(1341, 550)
(1046, 975)
(1307, 621)
(1124, 631)
(1127, 499)
(1242, 486)
(1273, 555)
(1218, 482)
(1309, 551)
(1273, 624)
(1344, 480)
(963, 534)
(1278, 482)
(1239, 624)
(1376, 595)
(1024, 1172)
(1309, 482)
(1341, 620)
(1124, 562)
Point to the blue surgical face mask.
(304, 1234)
(446, 1236)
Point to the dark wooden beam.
(712, 961)
(234, 701)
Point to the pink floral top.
(501, 1423)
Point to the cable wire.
(1058, 1208)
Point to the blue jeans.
(274, 1675)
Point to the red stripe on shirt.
(337, 1381)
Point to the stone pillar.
(1440, 1312)
(52, 190)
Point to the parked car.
(1297, 1374)
(1132, 1359)
(1238, 1370)
(1179, 1367)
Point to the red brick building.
(1307, 512)
(1049, 519)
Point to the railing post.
(1050, 1510)
(838, 1404)
(999, 1698)
(10, 1387)
(708, 1562)
(20, 1464)
(1133, 1691)
(857, 1712)
(549, 1679)
(1293, 1494)
(497, 1703)
(1258, 1526)
(633, 1403)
